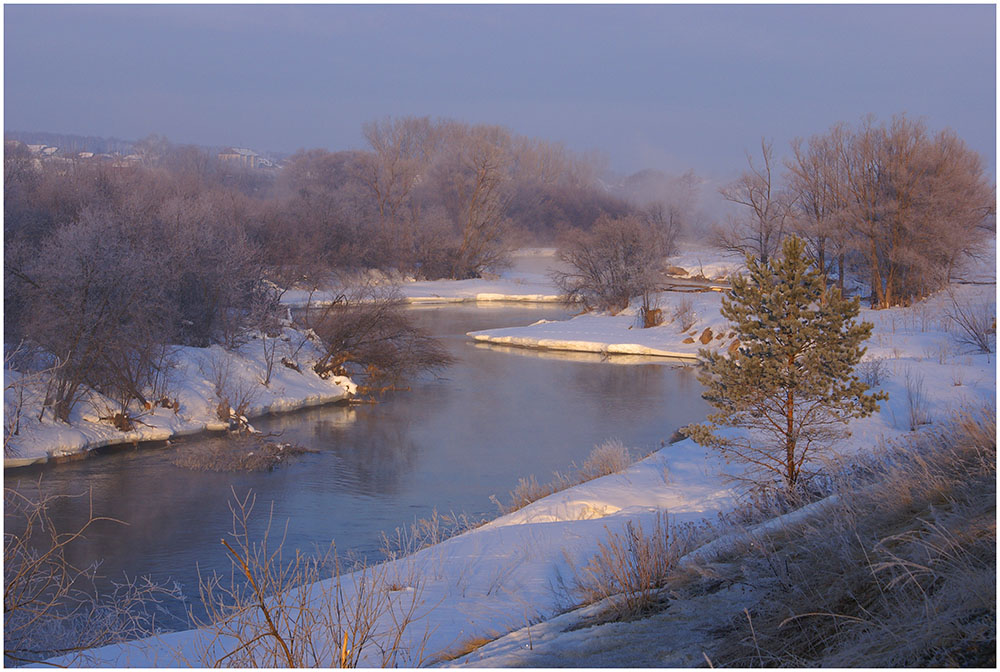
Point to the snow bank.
(526, 281)
(192, 384)
(691, 321)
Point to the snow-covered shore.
(192, 384)
(692, 321)
(526, 281)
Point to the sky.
(669, 87)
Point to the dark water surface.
(495, 416)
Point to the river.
(453, 440)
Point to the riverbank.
(526, 281)
(190, 395)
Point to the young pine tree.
(791, 383)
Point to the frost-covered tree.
(616, 261)
(791, 384)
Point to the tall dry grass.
(629, 570)
(900, 573)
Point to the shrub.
(684, 314)
(973, 324)
(611, 457)
(367, 327)
(873, 371)
(616, 260)
(304, 611)
(630, 569)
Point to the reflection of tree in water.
(374, 455)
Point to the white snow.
(622, 334)
(527, 280)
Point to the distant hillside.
(72, 143)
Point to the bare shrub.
(616, 260)
(973, 324)
(528, 490)
(630, 569)
(366, 327)
(51, 606)
(650, 313)
(873, 371)
(27, 379)
(427, 532)
(684, 314)
(235, 394)
(611, 457)
(237, 454)
(304, 611)
(917, 406)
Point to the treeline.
(890, 204)
(107, 264)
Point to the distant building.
(245, 157)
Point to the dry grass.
(898, 569)
(901, 573)
(51, 606)
(237, 454)
(611, 457)
(303, 611)
(464, 648)
(427, 532)
(630, 569)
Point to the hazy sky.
(672, 87)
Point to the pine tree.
(791, 384)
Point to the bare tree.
(96, 305)
(762, 226)
(367, 329)
(916, 203)
(819, 204)
(402, 150)
(609, 265)
(473, 179)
